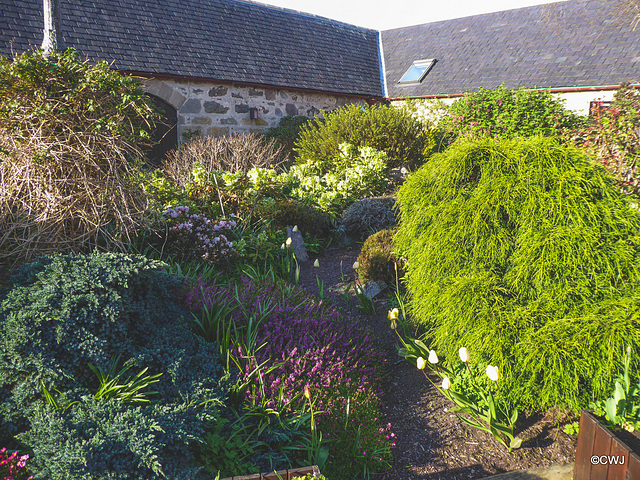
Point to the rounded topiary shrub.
(377, 260)
(68, 315)
(391, 130)
(525, 252)
(368, 216)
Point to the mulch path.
(432, 443)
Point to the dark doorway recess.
(165, 134)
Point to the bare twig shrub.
(69, 134)
(234, 153)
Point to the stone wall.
(223, 109)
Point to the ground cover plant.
(525, 252)
(69, 136)
(391, 130)
(73, 327)
(305, 346)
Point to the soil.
(432, 443)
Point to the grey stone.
(201, 121)
(215, 107)
(197, 91)
(242, 108)
(291, 109)
(255, 93)
(297, 243)
(283, 95)
(279, 113)
(236, 95)
(218, 131)
(192, 105)
(312, 112)
(270, 94)
(218, 91)
(229, 121)
(373, 288)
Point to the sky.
(386, 14)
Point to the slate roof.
(225, 40)
(567, 44)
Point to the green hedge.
(526, 253)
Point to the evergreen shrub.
(66, 312)
(508, 113)
(368, 216)
(391, 130)
(525, 252)
(310, 220)
(377, 260)
(70, 135)
(287, 132)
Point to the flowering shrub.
(356, 173)
(195, 237)
(614, 137)
(335, 359)
(13, 467)
(508, 113)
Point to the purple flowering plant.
(307, 346)
(13, 466)
(196, 238)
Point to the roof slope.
(565, 44)
(226, 40)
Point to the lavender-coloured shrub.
(334, 357)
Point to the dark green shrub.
(309, 220)
(525, 252)
(286, 133)
(66, 312)
(508, 113)
(70, 133)
(368, 216)
(388, 129)
(377, 261)
(614, 138)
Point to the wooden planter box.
(601, 455)
(280, 475)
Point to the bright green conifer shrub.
(66, 312)
(388, 129)
(525, 252)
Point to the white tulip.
(492, 373)
(433, 358)
(356, 265)
(446, 383)
(295, 229)
(420, 363)
(316, 263)
(464, 354)
(288, 242)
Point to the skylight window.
(417, 72)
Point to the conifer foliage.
(525, 252)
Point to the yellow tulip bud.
(316, 263)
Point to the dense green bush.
(310, 220)
(368, 216)
(525, 252)
(377, 260)
(614, 138)
(70, 132)
(391, 130)
(286, 133)
(508, 113)
(66, 312)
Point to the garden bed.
(432, 443)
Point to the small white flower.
(356, 265)
(282, 247)
(420, 363)
(288, 242)
(464, 354)
(393, 314)
(316, 263)
(433, 358)
(492, 373)
(295, 229)
(446, 383)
